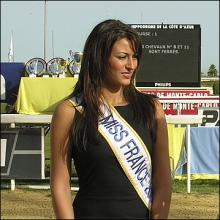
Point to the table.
(40, 95)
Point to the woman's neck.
(114, 97)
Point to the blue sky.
(71, 22)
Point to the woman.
(116, 136)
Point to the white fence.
(187, 120)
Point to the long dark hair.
(94, 68)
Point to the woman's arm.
(161, 177)
(61, 160)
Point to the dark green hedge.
(216, 88)
(213, 84)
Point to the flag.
(11, 50)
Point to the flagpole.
(12, 46)
(11, 49)
(45, 30)
(52, 45)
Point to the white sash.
(130, 151)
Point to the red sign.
(189, 106)
(192, 100)
(176, 92)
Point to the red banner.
(192, 100)
(176, 92)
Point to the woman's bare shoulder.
(159, 109)
(64, 111)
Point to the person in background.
(116, 136)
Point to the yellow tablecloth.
(176, 143)
(41, 95)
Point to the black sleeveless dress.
(104, 190)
